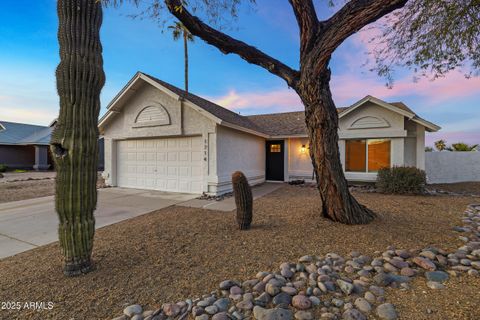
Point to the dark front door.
(275, 159)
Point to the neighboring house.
(26, 146)
(158, 137)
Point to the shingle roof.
(283, 124)
(23, 134)
(214, 109)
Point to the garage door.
(171, 164)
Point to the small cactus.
(243, 200)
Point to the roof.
(24, 134)
(268, 125)
(212, 108)
(282, 124)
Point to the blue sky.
(29, 55)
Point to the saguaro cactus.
(243, 200)
(74, 145)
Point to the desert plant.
(243, 200)
(3, 168)
(428, 149)
(401, 180)
(460, 146)
(74, 142)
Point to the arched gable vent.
(152, 116)
(369, 122)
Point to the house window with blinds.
(367, 155)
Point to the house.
(158, 137)
(26, 146)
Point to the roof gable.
(215, 112)
(397, 107)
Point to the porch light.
(303, 149)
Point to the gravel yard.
(29, 185)
(181, 252)
(23, 190)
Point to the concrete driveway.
(27, 224)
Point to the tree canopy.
(431, 37)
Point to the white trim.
(377, 102)
(288, 136)
(138, 76)
(239, 128)
(427, 124)
(372, 135)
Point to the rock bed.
(221, 197)
(330, 286)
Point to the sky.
(29, 56)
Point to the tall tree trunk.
(74, 143)
(322, 124)
(185, 45)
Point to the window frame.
(366, 153)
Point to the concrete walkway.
(27, 224)
(228, 204)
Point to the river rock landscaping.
(330, 286)
(178, 252)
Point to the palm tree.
(74, 142)
(440, 145)
(180, 31)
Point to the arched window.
(152, 116)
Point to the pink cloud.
(282, 99)
(470, 137)
(348, 88)
(454, 85)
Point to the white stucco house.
(158, 137)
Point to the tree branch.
(227, 44)
(307, 22)
(352, 17)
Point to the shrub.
(401, 180)
(3, 168)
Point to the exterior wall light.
(303, 149)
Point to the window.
(367, 155)
(378, 154)
(356, 155)
(274, 148)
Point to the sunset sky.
(29, 55)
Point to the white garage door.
(170, 164)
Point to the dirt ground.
(29, 189)
(461, 187)
(178, 252)
(23, 190)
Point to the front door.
(275, 160)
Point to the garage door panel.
(184, 172)
(184, 156)
(196, 156)
(172, 156)
(170, 164)
(196, 171)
